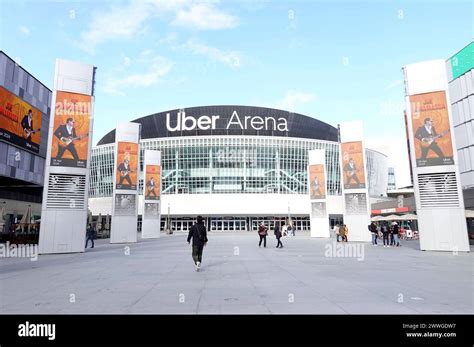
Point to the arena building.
(234, 165)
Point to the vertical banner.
(125, 195)
(66, 186)
(432, 133)
(70, 141)
(151, 218)
(436, 179)
(354, 181)
(319, 222)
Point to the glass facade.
(225, 164)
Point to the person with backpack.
(262, 232)
(90, 235)
(199, 235)
(278, 234)
(373, 230)
(385, 235)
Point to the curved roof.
(230, 120)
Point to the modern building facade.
(235, 165)
(391, 180)
(460, 68)
(22, 154)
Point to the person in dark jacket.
(262, 232)
(395, 230)
(373, 230)
(90, 235)
(199, 235)
(385, 235)
(67, 132)
(278, 235)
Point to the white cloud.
(294, 98)
(130, 20)
(205, 16)
(119, 22)
(159, 67)
(231, 59)
(24, 30)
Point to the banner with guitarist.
(70, 144)
(431, 129)
(353, 165)
(20, 123)
(152, 182)
(127, 163)
(317, 182)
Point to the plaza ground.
(158, 276)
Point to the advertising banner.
(152, 182)
(125, 204)
(20, 123)
(353, 165)
(152, 210)
(127, 166)
(317, 181)
(430, 122)
(70, 142)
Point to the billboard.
(318, 210)
(431, 130)
(152, 210)
(353, 165)
(125, 205)
(356, 203)
(70, 143)
(317, 182)
(127, 165)
(20, 123)
(152, 182)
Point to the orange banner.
(152, 182)
(431, 129)
(127, 166)
(70, 144)
(353, 165)
(317, 182)
(20, 123)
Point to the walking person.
(373, 230)
(395, 231)
(90, 234)
(337, 231)
(262, 232)
(385, 235)
(199, 235)
(344, 231)
(278, 235)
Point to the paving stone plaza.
(307, 276)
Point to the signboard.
(430, 122)
(317, 181)
(353, 165)
(152, 182)
(70, 143)
(20, 123)
(127, 165)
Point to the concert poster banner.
(353, 165)
(152, 182)
(127, 164)
(20, 123)
(70, 144)
(317, 182)
(431, 130)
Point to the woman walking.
(278, 235)
(344, 231)
(262, 232)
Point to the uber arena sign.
(204, 122)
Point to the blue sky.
(332, 60)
